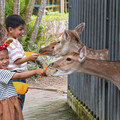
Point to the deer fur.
(79, 62)
(69, 41)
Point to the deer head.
(69, 41)
(48, 49)
(78, 62)
(58, 48)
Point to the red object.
(42, 53)
(3, 46)
(45, 71)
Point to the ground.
(49, 83)
(47, 100)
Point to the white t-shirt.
(16, 51)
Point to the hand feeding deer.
(79, 62)
(69, 41)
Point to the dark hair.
(14, 21)
(4, 49)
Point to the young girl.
(9, 105)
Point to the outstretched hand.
(39, 71)
(33, 56)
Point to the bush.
(23, 7)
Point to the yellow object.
(21, 87)
(29, 53)
(9, 41)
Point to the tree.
(16, 8)
(29, 14)
(38, 20)
(2, 11)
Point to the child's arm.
(26, 59)
(27, 74)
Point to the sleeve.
(5, 76)
(14, 51)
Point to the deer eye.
(68, 59)
(52, 47)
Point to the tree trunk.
(38, 20)
(16, 9)
(2, 11)
(29, 14)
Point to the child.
(3, 34)
(18, 60)
(9, 104)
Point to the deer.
(69, 41)
(48, 50)
(79, 62)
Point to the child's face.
(16, 32)
(4, 59)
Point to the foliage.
(23, 7)
(42, 37)
(9, 7)
(26, 40)
(54, 16)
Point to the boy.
(18, 60)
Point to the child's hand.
(33, 56)
(39, 71)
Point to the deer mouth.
(61, 73)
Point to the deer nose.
(40, 51)
(50, 65)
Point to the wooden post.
(61, 6)
(52, 1)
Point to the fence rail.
(102, 30)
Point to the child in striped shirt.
(9, 104)
(18, 60)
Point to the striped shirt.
(7, 88)
(16, 51)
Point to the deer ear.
(83, 54)
(67, 35)
(80, 28)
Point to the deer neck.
(104, 69)
(97, 54)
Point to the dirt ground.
(49, 83)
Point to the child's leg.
(23, 96)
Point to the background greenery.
(41, 36)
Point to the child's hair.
(3, 34)
(14, 21)
(4, 49)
